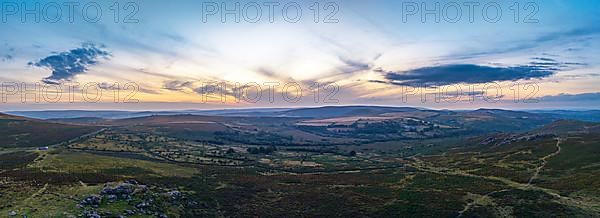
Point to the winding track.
(539, 168)
(529, 183)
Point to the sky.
(170, 55)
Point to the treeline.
(261, 150)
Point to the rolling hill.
(18, 131)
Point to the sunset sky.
(375, 52)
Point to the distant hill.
(82, 120)
(365, 122)
(564, 127)
(483, 120)
(109, 114)
(316, 112)
(591, 115)
(343, 111)
(319, 112)
(18, 131)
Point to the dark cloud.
(204, 88)
(177, 85)
(536, 63)
(108, 86)
(222, 89)
(7, 58)
(570, 97)
(379, 81)
(211, 89)
(468, 95)
(575, 64)
(464, 73)
(66, 65)
(553, 64)
(474, 93)
(544, 59)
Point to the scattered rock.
(130, 212)
(111, 198)
(142, 205)
(174, 194)
(139, 197)
(131, 181)
(91, 214)
(92, 200)
(192, 203)
(121, 189)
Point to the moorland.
(351, 161)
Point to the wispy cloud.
(578, 35)
(8, 53)
(66, 65)
(352, 66)
(7, 58)
(578, 32)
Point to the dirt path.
(539, 168)
(78, 138)
(470, 204)
(424, 167)
(38, 193)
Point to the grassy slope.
(24, 132)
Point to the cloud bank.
(465, 73)
(571, 97)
